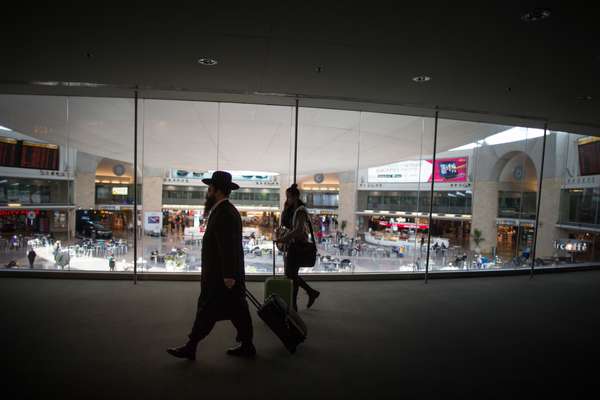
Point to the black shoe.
(243, 350)
(312, 297)
(184, 351)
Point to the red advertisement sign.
(449, 169)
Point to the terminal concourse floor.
(495, 337)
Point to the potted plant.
(477, 238)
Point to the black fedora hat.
(221, 180)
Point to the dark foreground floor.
(489, 337)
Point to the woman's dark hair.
(293, 190)
(288, 211)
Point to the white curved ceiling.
(186, 134)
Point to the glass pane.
(36, 181)
(327, 169)
(101, 137)
(487, 212)
(255, 147)
(395, 167)
(62, 159)
(179, 149)
(569, 228)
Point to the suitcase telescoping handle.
(252, 299)
(274, 251)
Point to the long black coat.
(222, 251)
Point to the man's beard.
(208, 204)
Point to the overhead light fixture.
(68, 84)
(536, 15)
(207, 61)
(421, 78)
(14, 204)
(3, 128)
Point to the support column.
(84, 195)
(485, 211)
(84, 186)
(347, 204)
(152, 188)
(549, 210)
(284, 182)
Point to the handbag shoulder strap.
(296, 213)
(312, 235)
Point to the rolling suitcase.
(283, 320)
(279, 285)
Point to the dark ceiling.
(481, 58)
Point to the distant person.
(111, 263)
(31, 257)
(296, 219)
(222, 288)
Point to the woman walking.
(295, 220)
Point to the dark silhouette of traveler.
(31, 257)
(222, 291)
(295, 219)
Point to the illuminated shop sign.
(444, 170)
(31, 214)
(403, 225)
(119, 191)
(571, 245)
(254, 176)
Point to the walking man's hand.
(229, 282)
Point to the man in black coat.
(222, 293)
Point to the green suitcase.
(279, 285)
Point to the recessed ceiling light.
(421, 78)
(207, 61)
(536, 15)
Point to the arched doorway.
(517, 198)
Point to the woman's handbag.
(304, 254)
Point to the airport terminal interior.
(67, 186)
(447, 154)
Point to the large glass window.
(184, 142)
(394, 173)
(55, 180)
(67, 189)
(495, 169)
(327, 162)
(569, 231)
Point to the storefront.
(119, 219)
(393, 229)
(457, 231)
(34, 221)
(175, 220)
(262, 223)
(578, 246)
(514, 237)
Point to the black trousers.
(291, 272)
(227, 305)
